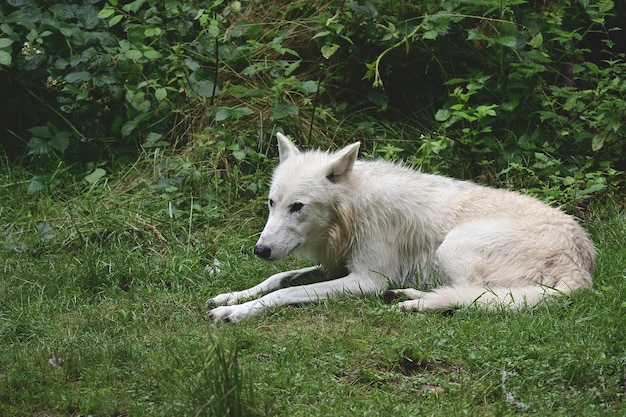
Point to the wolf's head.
(306, 209)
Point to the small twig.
(150, 227)
(319, 80)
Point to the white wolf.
(373, 225)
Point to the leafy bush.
(103, 81)
(526, 94)
(527, 100)
(102, 86)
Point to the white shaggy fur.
(373, 225)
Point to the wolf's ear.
(286, 148)
(343, 161)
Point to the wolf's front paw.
(222, 314)
(235, 313)
(411, 305)
(222, 300)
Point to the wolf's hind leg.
(406, 293)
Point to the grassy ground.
(102, 313)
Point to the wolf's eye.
(296, 207)
(271, 202)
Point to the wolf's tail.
(513, 298)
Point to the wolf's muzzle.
(263, 251)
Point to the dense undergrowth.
(508, 92)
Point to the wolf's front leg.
(276, 281)
(351, 284)
(235, 313)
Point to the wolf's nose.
(263, 251)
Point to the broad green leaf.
(115, 20)
(105, 79)
(509, 41)
(60, 141)
(378, 96)
(152, 54)
(133, 54)
(124, 45)
(39, 146)
(107, 12)
(442, 115)
(595, 188)
(329, 50)
(367, 10)
(214, 29)
(6, 28)
(67, 30)
(129, 127)
(133, 6)
(221, 114)
(239, 155)
(321, 34)
(292, 67)
(35, 186)
(160, 94)
(204, 88)
(243, 111)
(63, 12)
(224, 113)
(4, 42)
(42, 132)
(597, 142)
(154, 139)
(5, 58)
(280, 111)
(77, 77)
(97, 174)
(192, 64)
(536, 41)
(486, 110)
(152, 31)
(474, 34)
(308, 87)
(430, 34)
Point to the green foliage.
(107, 80)
(514, 92)
(526, 94)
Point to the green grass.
(102, 313)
